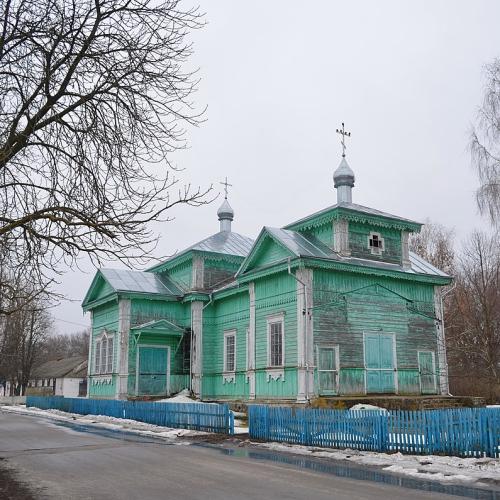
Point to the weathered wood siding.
(181, 274)
(218, 271)
(324, 233)
(358, 242)
(346, 305)
(269, 253)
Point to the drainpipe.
(305, 327)
(442, 295)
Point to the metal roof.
(76, 367)
(125, 280)
(355, 207)
(225, 242)
(303, 245)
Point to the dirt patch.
(11, 487)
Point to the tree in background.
(473, 335)
(22, 334)
(485, 146)
(93, 100)
(64, 345)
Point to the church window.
(230, 351)
(104, 354)
(109, 367)
(275, 332)
(376, 243)
(97, 357)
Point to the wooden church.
(332, 304)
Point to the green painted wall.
(324, 233)
(341, 318)
(182, 274)
(358, 242)
(269, 252)
(104, 317)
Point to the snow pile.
(428, 467)
(367, 407)
(180, 397)
(103, 421)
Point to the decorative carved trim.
(102, 380)
(229, 378)
(275, 374)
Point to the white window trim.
(103, 360)
(376, 250)
(229, 333)
(276, 318)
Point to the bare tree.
(64, 345)
(434, 243)
(474, 330)
(21, 336)
(485, 145)
(93, 99)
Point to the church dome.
(225, 211)
(343, 176)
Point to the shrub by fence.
(195, 416)
(468, 432)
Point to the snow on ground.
(180, 397)
(103, 421)
(427, 467)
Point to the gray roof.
(73, 367)
(225, 242)
(125, 280)
(303, 245)
(355, 207)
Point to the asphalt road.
(40, 459)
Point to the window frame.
(271, 320)
(104, 354)
(378, 249)
(227, 334)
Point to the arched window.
(104, 353)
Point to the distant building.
(60, 377)
(330, 305)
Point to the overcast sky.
(279, 77)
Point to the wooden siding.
(324, 233)
(347, 305)
(217, 271)
(229, 313)
(358, 242)
(182, 274)
(104, 317)
(269, 252)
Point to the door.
(379, 363)
(152, 370)
(427, 370)
(328, 370)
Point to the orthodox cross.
(226, 185)
(344, 134)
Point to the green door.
(152, 371)
(327, 370)
(379, 363)
(427, 370)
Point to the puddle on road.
(360, 473)
(309, 463)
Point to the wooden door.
(427, 370)
(328, 370)
(379, 363)
(152, 371)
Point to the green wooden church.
(333, 304)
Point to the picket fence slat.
(193, 416)
(467, 432)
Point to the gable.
(265, 252)
(99, 289)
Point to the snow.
(180, 397)
(367, 407)
(428, 467)
(103, 421)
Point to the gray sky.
(279, 77)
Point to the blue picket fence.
(195, 416)
(467, 432)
